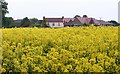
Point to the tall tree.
(4, 11)
(85, 16)
(44, 22)
(77, 16)
(25, 22)
(4, 8)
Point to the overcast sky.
(106, 9)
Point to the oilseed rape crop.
(69, 49)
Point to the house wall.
(55, 24)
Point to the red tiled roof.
(85, 20)
(68, 19)
(101, 22)
(79, 20)
(54, 20)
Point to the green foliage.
(25, 22)
(8, 22)
(34, 22)
(36, 25)
(5, 20)
(44, 22)
(4, 8)
(115, 23)
(85, 16)
(77, 16)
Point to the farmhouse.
(54, 22)
(62, 22)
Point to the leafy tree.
(8, 21)
(4, 8)
(34, 20)
(4, 11)
(77, 16)
(85, 16)
(44, 22)
(25, 22)
(114, 23)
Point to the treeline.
(25, 22)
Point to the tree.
(4, 11)
(25, 22)
(8, 21)
(44, 22)
(77, 16)
(4, 8)
(85, 16)
(34, 22)
(114, 23)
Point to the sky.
(105, 9)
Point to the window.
(58, 24)
(53, 24)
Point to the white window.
(58, 24)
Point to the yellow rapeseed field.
(69, 49)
